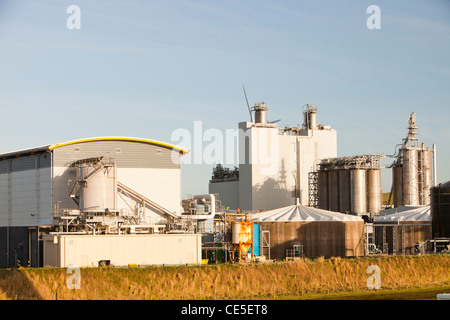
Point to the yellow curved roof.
(153, 142)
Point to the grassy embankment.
(308, 278)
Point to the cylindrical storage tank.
(397, 186)
(323, 190)
(344, 191)
(373, 190)
(260, 112)
(242, 235)
(318, 238)
(333, 190)
(312, 120)
(358, 191)
(427, 175)
(410, 177)
(260, 116)
(100, 191)
(440, 210)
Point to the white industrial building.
(105, 185)
(275, 163)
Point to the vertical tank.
(344, 191)
(440, 210)
(242, 237)
(333, 190)
(410, 177)
(323, 190)
(373, 190)
(426, 175)
(100, 189)
(358, 191)
(260, 112)
(397, 186)
(310, 117)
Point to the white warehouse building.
(113, 182)
(274, 163)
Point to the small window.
(76, 149)
(158, 151)
(118, 150)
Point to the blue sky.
(147, 68)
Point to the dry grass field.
(302, 279)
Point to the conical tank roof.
(301, 213)
(413, 213)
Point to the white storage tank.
(373, 190)
(358, 191)
(100, 190)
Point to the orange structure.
(242, 238)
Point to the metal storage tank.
(440, 210)
(344, 191)
(410, 177)
(333, 190)
(100, 191)
(358, 191)
(242, 236)
(260, 112)
(397, 185)
(373, 190)
(323, 190)
(320, 232)
(426, 168)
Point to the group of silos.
(412, 178)
(350, 190)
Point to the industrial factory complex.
(117, 201)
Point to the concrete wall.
(228, 193)
(121, 250)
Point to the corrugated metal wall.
(25, 190)
(126, 154)
(328, 239)
(401, 238)
(19, 246)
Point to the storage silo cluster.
(350, 185)
(412, 171)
